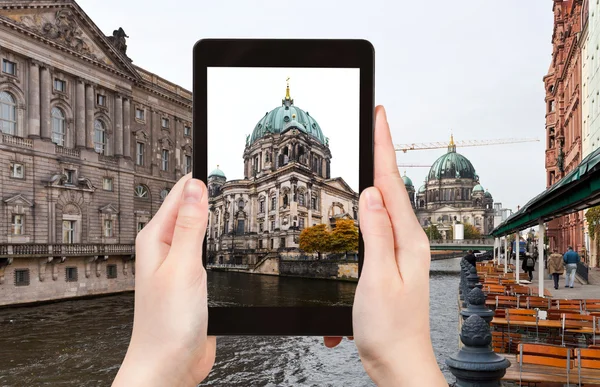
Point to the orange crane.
(437, 145)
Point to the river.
(82, 343)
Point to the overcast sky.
(474, 67)
(319, 92)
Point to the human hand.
(169, 344)
(391, 304)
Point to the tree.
(450, 234)
(344, 236)
(315, 239)
(592, 216)
(471, 232)
(432, 232)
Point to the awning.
(578, 190)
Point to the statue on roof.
(118, 40)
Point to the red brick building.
(563, 115)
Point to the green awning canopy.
(578, 190)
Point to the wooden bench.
(591, 305)
(576, 323)
(558, 359)
(494, 289)
(505, 342)
(587, 359)
(530, 302)
(520, 315)
(520, 289)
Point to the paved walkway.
(579, 290)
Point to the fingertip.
(331, 342)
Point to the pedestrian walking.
(571, 259)
(555, 266)
(528, 266)
(470, 257)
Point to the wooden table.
(541, 323)
(539, 373)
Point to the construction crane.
(437, 145)
(414, 166)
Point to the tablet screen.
(283, 182)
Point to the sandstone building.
(286, 187)
(563, 85)
(90, 145)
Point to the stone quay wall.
(336, 270)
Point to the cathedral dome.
(285, 117)
(452, 165)
(487, 194)
(217, 173)
(422, 189)
(407, 181)
(478, 188)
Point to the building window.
(17, 171)
(139, 159)
(226, 227)
(22, 277)
(141, 191)
(70, 176)
(101, 99)
(240, 227)
(107, 183)
(301, 199)
(272, 243)
(164, 193)
(140, 114)
(313, 203)
(8, 114)
(58, 127)
(273, 203)
(260, 227)
(165, 123)
(260, 243)
(187, 130)
(272, 225)
(301, 223)
(140, 226)
(60, 85)
(188, 164)
(111, 271)
(71, 274)
(68, 231)
(17, 224)
(165, 160)
(99, 137)
(261, 206)
(108, 228)
(9, 67)
(551, 106)
(282, 243)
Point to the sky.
(471, 67)
(320, 92)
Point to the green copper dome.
(217, 173)
(478, 188)
(422, 189)
(407, 181)
(286, 117)
(487, 194)
(452, 165)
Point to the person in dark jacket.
(528, 266)
(571, 259)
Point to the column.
(308, 202)
(118, 126)
(517, 248)
(80, 114)
(126, 127)
(46, 84)
(34, 99)
(154, 149)
(541, 272)
(506, 257)
(89, 115)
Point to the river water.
(82, 343)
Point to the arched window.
(8, 114)
(164, 193)
(99, 136)
(58, 126)
(141, 191)
(301, 199)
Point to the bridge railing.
(227, 266)
(483, 241)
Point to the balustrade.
(17, 141)
(61, 249)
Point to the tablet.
(283, 139)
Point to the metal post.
(495, 254)
(541, 273)
(506, 257)
(517, 247)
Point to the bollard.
(476, 306)
(476, 364)
(473, 279)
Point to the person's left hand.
(169, 344)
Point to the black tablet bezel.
(316, 53)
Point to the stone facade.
(286, 187)
(452, 194)
(90, 146)
(564, 115)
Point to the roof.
(452, 165)
(578, 190)
(217, 173)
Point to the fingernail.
(374, 201)
(192, 191)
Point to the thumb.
(379, 262)
(190, 226)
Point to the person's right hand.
(391, 305)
